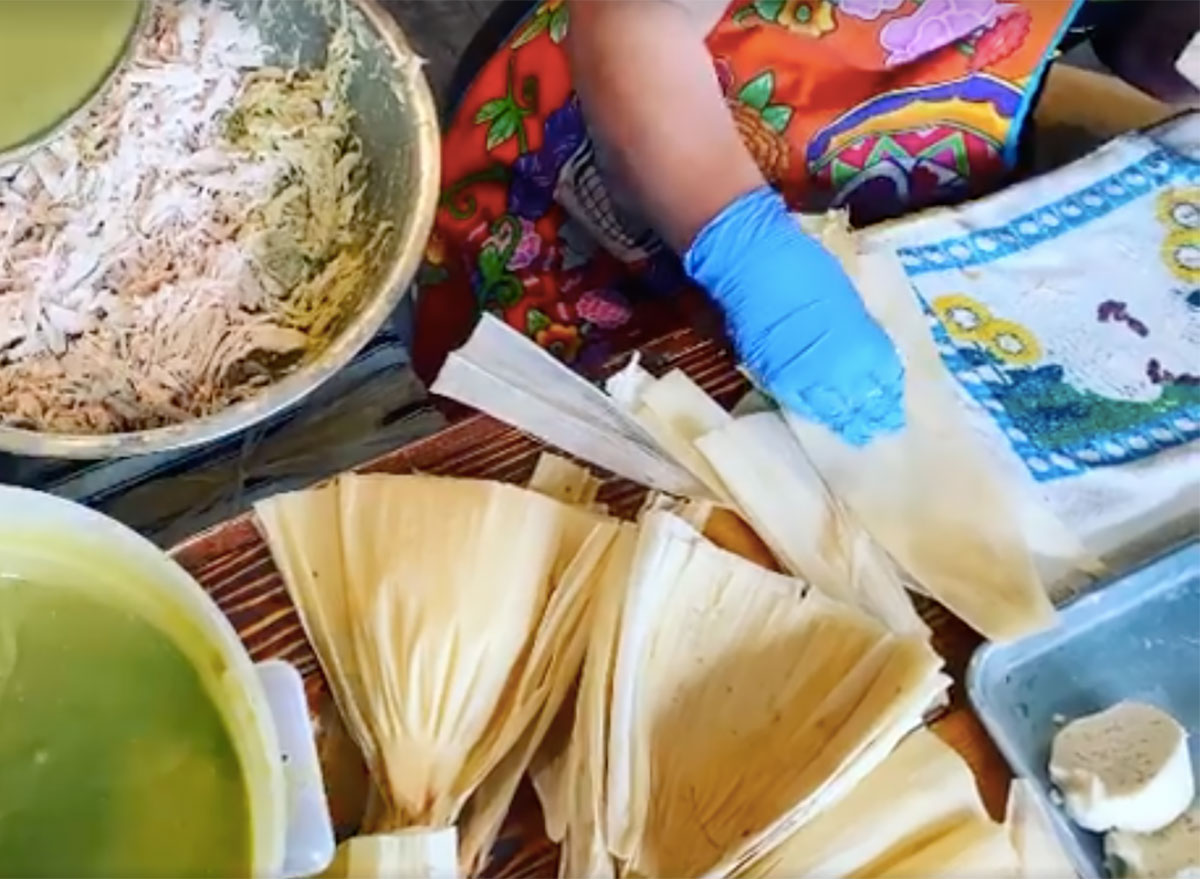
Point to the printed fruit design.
(810, 18)
(1002, 39)
(759, 122)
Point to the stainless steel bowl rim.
(294, 386)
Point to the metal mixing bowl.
(397, 122)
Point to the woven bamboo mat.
(232, 563)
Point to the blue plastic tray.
(1137, 637)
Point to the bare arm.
(652, 100)
(648, 88)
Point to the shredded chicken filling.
(198, 234)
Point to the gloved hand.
(796, 320)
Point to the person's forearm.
(651, 96)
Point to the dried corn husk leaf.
(560, 478)
(586, 538)
(576, 486)
(445, 615)
(585, 849)
(549, 766)
(417, 853)
(564, 480)
(972, 847)
(727, 530)
(928, 494)
(306, 543)
(556, 656)
(920, 793)
(626, 385)
(676, 412)
(422, 623)
(739, 701)
(775, 486)
(501, 372)
(1060, 553)
(721, 525)
(572, 483)
(1032, 835)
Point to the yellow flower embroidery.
(1181, 253)
(1011, 342)
(1179, 208)
(813, 18)
(962, 316)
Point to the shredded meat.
(194, 237)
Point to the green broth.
(53, 55)
(114, 760)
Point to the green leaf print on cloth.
(757, 93)
(810, 18)
(777, 116)
(505, 117)
(552, 16)
(499, 288)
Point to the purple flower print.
(868, 10)
(531, 191)
(607, 309)
(936, 23)
(528, 247)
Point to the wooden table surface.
(233, 564)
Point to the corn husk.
(806, 527)
(754, 465)
(720, 705)
(564, 480)
(303, 532)
(676, 412)
(501, 372)
(406, 854)
(928, 494)
(727, 530)
(585, 846)
(450, 617)
(1059, 553)
(910, 810)
(583, 545)
(931, 499)
(549, 765)
(488, 806)
(973, 847)
(1032, 834)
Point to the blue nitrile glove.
(796, 319)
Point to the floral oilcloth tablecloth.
(1068, 310)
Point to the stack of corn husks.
(450, 618)
(726, 719)
(923, 510)
(721, 705)
(732, 684)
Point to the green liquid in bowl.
(54, 54)
(114, 760)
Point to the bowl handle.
(309, 846)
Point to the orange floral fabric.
(880, 106)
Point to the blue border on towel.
(1050, 221)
